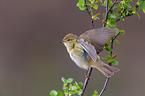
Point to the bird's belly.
(79, 59)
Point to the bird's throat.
(74, 42)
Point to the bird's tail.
(107, 70)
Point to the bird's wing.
(89, 48)
(98, 37)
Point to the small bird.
(84, 50)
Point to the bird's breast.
(80, 57)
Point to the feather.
(107, 70)
(89, 48)
(98, 37)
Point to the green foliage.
(92, 4)
(107, 47)
(122, 32)
(53, 93)
(68, 88)
(115, 62)
(116, 41)
(111, 23)
(110, 59)
(95, 93)
(124, 9)
(116, 11)
(112, 15)
(142, 5)
(81, 5)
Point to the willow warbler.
(84, 49)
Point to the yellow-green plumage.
(83, 50)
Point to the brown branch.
(104, 24)
(107, 11)
(87, 79)
(107, 79)
(89, 12)
(124, 17)
(130, 14)
(104, 88)
(90, 68)
(106, 15)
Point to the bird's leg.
(87, 75)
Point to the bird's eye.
(68, 39)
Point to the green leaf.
(128, 5)
(117, 30)
(109, 57)
(81, 2)
(116, 41)
(95, 93)
(95, 17)
(125, 12)
(73, 91)
(95, 6)
(91, 0)
(144, 10)
(65, 89)
(76, 84)
(138, 15)
(69, 80)
(121, 17)
(108, 48)
(110, 40)
(81, 85)
(79, 92)
(104, 4)
(115, 62)
(88, 3)
(81, 7)
(91, 12)
(128, 0)
(122, 32)
(104, 15)
(53, 93)
(111, 23)
(142, 4)
(112, 16)
(96, 1)
(109, 3)
(60, 94)
(63, 80)
(70, 86)
(73, 88)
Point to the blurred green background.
(32, 61)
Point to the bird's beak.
(62, 41)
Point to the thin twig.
(104, 87)
(90, 68)
(107, 79)
(128, 14)
(104, 24)
(124, 17)
(106, 15)
(111, 6)
(89, 12)
(87, 79)
(107, 11)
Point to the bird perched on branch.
(84, 49)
